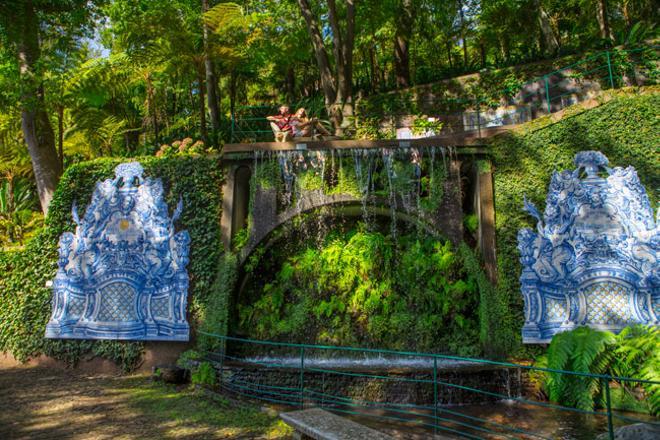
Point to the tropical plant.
(634, 353)
(638, 355)
(583, 350)
(203, 374)
(19, 219)
(364, 288)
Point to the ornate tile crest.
(122, 275)
(593, 259)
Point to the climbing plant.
(623, 128)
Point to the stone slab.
(637, 431)
(321, 425)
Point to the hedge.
(25, 302)
(625, 129)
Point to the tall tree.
(337, 84)
(602, 13)
(404, 28)
(25, 25)
(211, 79)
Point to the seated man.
(281, 124)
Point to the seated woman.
(281, 124)
(304, 126)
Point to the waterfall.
(400, 178)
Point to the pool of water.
(536, 422)
(371, 363)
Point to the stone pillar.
(449, 216)
(235, 201)
(485, 210)
(227, 206)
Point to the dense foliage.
(24, 299)
(363, 288)
(635, 353)
(624, 129)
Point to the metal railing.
(537, 97)
(440, 419)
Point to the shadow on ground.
(41, 403)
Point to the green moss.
(183, 410)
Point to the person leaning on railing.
(281, 124)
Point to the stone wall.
(396, 388)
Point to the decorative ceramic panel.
(597, 244)
(555, 310)
(122, 275)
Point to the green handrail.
(298, 395)
(431, 355)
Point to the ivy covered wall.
(626, 129)
(25, 302)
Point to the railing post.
(302, 377)
(609, 68)
(608, 402)
(322, 390)
(435, 394)
(233, 126)
(222, 359)
(479, 117)
(547, 93)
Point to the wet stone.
(321, 425)
(638, 431)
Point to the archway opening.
(328, 277)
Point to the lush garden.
(87, 85)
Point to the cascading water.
(391, 177)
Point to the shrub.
(204, 374)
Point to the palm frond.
(224, 16)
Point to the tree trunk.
(626, 14)
(151, 108)
(202, 107)
(60, 134)
(550, 42)
(211, 83)
(451, 63)
(603, 20)
(482, 51)
(291, 84)
(337, 88)
(322, 61)
(35, 124)
(342, 111)
(404, 27)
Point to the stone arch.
(342, 204)
(447, 220)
